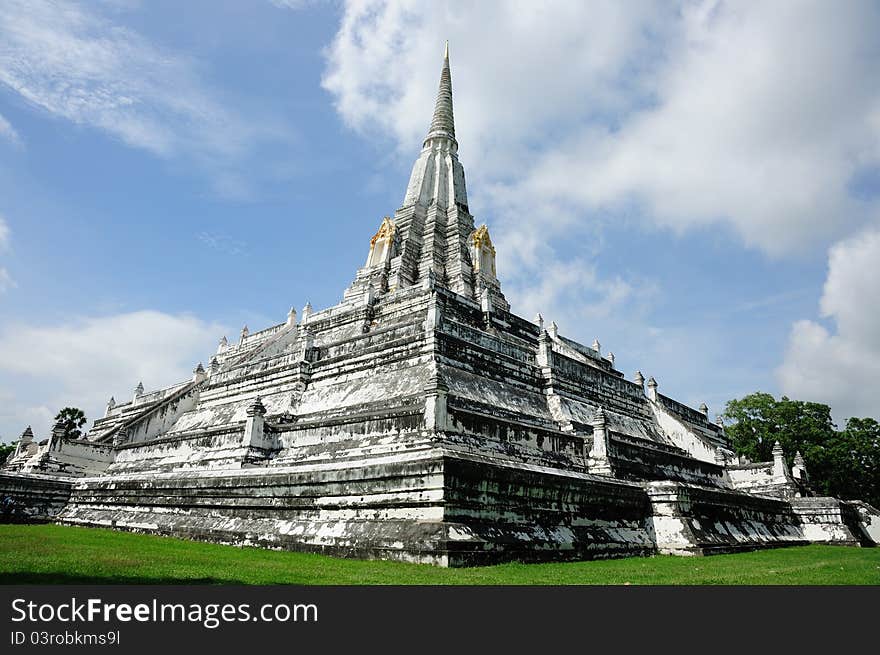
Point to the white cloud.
(571, 292)
(85, 361)
(754, 115)
(81, 66)
(763, 118)
(8, 132)
(840, 367)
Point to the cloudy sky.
(697, 185)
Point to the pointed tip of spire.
(443, 123)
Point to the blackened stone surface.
(32, 498)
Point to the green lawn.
(57, 554)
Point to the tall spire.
(443, 123)
(434, 240)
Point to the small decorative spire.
(611, 358)
(719, 420)
(486, 302)
(483, 252)
(704, 409)
(540, 321)
(214, 365)
(222, 345)
(306, 312)
(256, 408)
(554, 329)
(244, 332)
(597, 462)
(291, 316)
(652, 388)
(799, 468)
(777, 451)
(780, 470)
(59, 429)
(639, 379)
(139, 389)
(254, 426)
(27, 436)
(111, 403)
(597, 346)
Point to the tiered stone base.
(429, 507)
(433, 507)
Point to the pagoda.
(421, 419)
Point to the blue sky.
(697, 186)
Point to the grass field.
(52, 554)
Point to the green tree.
(5, 450)
(72, 418)
(842, 463)
(853, 462)
(759, 420)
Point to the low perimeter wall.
(869, 519)
(693, 520)
(31, 498)
(831, 521)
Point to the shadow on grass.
(64, 578)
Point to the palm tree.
(72, 419)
